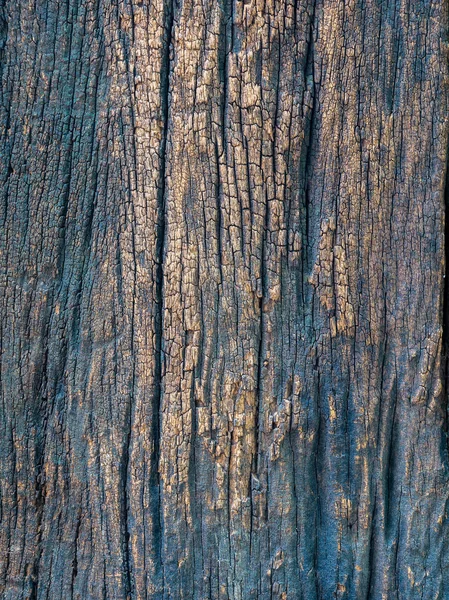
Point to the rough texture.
(224, 317)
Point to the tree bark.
(224, 312)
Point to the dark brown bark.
(224, 317)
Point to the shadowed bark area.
(224, 311)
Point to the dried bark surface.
(223, 305)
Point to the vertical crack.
(160, 252)
(445, 315)
(310, 86)
(128, 417)
(40, 422)
(3, 36)
(125, 494)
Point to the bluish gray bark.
(223, 302)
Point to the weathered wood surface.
(223, 321)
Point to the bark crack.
(445, 311)
(310, 87)
(159, 319)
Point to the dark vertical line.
(130, 584)
(309, 80)
(192, 482)
(75, 554)
(317, 450)
(263, 269)
(6, 167)
(391, 459)
(40, 421)
(372, 551)
(263, 286)
(445, 315)
(128, 416)
(3, 32)
(226, 45)
(260, 349)
(160, 252)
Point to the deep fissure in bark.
(309, 82)
(169, 6)
(445, 312)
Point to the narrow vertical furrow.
(127, 39)
(310, 108)
(148, 38)
(445, 309)
(161, 225)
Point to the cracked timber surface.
(224, 315)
